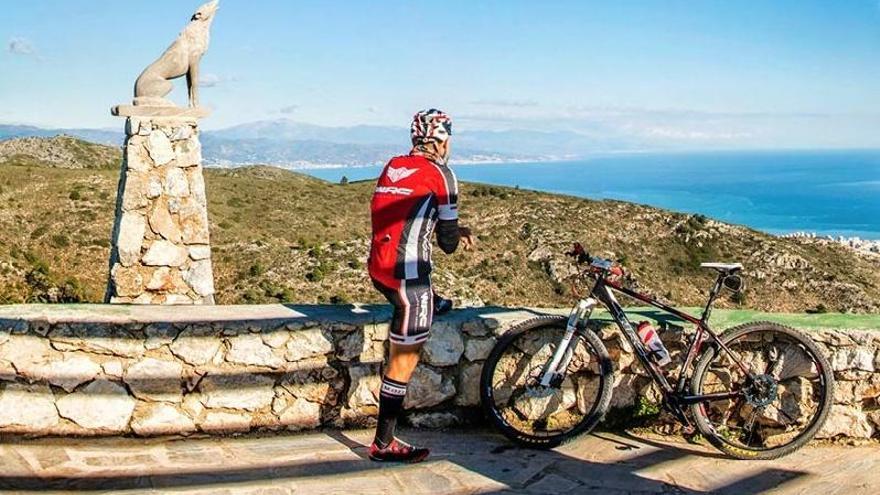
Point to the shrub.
(256, 269)
(39, 232)
(75, 195)
(819, 309)
(60, 241)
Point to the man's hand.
(467, 238)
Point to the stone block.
(162, 222)
(226, 422)
(199, 252)
(134, 195)
(249, 349)
(846, 421)
(469, 385)
(102, 406)
(130, 238)
(28, 406)
(176, 183)
(194, 222)
(197, 345)
(159, 147)
(427, 388)
(98, 338)
(155, 380)
(478, 349)
(308, 343)
(127, 281)
(200, 277)
(301, 414)
(239, 391)
(70, 372)
(165, 253)
(444, 347)
(188, 152)
(161, 419)
(853, 358)
(363, 393)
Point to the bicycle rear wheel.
(544, 417)
(778, 411)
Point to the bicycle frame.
(674, 397)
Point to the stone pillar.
(161, 252)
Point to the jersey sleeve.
(447, 194)
(446, 191)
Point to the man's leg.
(402, 361)
(413, 308)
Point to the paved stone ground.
(464, 461)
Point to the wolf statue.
(180, 59)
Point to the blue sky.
(698, 73)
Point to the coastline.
(857, 244)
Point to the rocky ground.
(282, 236)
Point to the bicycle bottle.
(656, 349)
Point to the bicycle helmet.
(431, 125)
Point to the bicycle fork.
(555, 369)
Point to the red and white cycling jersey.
(412, 195)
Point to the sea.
(834, 193)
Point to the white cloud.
(211, 80)
(502, 102)
(289, 109)
(21, 46)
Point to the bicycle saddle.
(723, 267)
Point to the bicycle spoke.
(750, 425)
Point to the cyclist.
(415, 195)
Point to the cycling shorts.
(413, 302)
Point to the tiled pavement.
(463, 461)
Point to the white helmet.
(431, 124)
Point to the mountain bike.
(760, 390)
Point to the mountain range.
(291, 144)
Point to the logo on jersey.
(400, 191)
(396, 174)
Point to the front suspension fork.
(554, 371)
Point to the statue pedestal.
(161, 252)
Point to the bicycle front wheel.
(531, 414)
(774, 410)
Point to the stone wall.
(161, 250)
(106, 370)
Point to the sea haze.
(828, 192)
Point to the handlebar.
(597, 265)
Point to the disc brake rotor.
(761, 392)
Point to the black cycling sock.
(390, 405)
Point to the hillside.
(59, 152)
(282, 236)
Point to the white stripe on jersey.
(411, 250)
(448, 211)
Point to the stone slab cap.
(159, 111)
